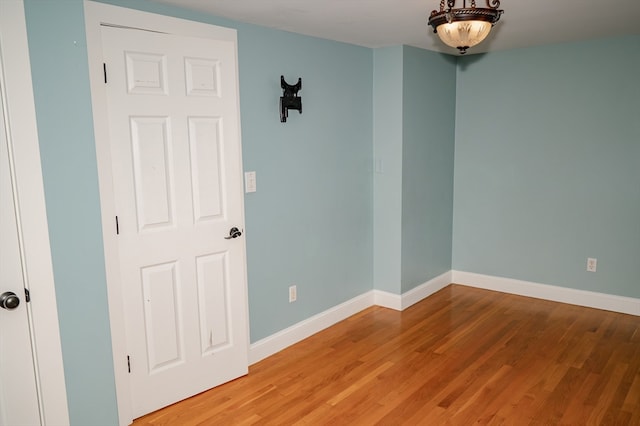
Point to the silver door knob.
(233, 233)
(9, 300)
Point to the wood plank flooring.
(462, 356)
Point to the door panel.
(160, 290)
(213, 309)
(145, 73)
(204, 140)
(175, 146)
(153, 178)
(203, 77)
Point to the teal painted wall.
(311, 221)
(413, 139)
(65, 129)
(387, 177)
(428, 120)
(560, 156)
(547, 165)
(309, 224)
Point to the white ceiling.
(377, 23)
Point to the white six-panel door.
(175, 157)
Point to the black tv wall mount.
(289, 99)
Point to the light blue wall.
(547, 165)
(65, 129)
(387, 179)
(546, 174)
(413, 138)
(428, 120)
(309, 224)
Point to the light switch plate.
(250, 184)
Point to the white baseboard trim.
(413, 296)
(608, 302)
(425, 290)
(276, 342)
(387, 300)
(300, 331)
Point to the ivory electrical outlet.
(293, 294)
(592, 264)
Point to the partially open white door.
(175, 165)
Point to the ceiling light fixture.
(464, 27)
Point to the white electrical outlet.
(592, 264)
(293, 294)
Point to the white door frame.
(97, 14)
(17, 97)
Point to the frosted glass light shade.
(463, 34)
(464, 27)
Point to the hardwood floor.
(462, 356)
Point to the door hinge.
(128, 364)
(104, 68)
(27, 295)
(117, 226)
